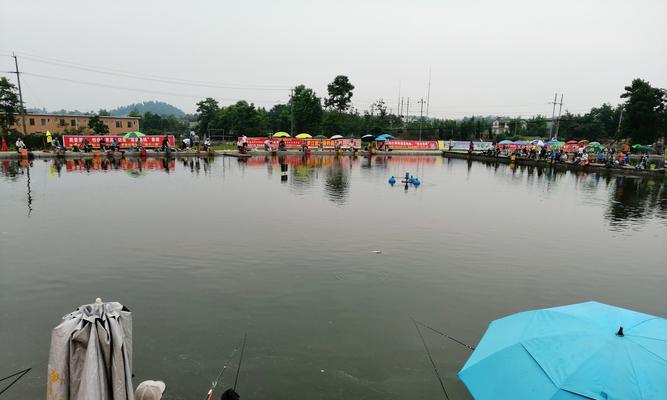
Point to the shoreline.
(567, 166)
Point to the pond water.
(202, 251)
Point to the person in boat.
(150, 390)
(20, 145)
(281, 145)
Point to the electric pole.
(18, 79)
(428, 93)
(421, 117)
(291, 101)
(407, 113)
(620, 118)
(553, 116)
(560, 108)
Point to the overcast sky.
(486, 56)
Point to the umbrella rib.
(634, 371)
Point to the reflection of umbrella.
(91, 354)
(133, 135)
(504, 142)
(320, 137)
(581, 351)
(336, 137)
(303, 136)
(367, 138)
(281, 134)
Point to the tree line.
(642, 118)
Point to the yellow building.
(59, 123)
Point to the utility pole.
(560, 108)
(620, 118)
(399, 99)
(407, 113)
(18, 79)
(553, 116)
(428, 93)
(421, 117)
(291, 101)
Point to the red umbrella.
(4, 144)
(571, 142)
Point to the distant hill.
(155, 107)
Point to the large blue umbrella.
(571, 352)
(384, 137)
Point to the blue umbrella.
(582, 351)
(383, 137)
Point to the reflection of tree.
(636, 199)
(337, 183)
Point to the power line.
(151, 77)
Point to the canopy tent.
(281, 135)
(133, 135)
(91, 354)
(582, 351)
(336, 137)
(303, 136)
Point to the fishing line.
(240, 360)
(428, 353)
(445, 335)
(214, 384)
(20, 374)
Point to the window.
(118, 124)
(62, 121)
(32, 121)
(129, 124)
(72, 122)
(43, 121)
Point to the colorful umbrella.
(133, 135)
(537, 143)
(384, 137)
(571, 142)
(582, 351)
(336, 137)
(281, 135)
(303, 136)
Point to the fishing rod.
(240, 360)
(445, 335)
(428, 353)
(18, 375)
(214, 384)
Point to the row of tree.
(642, 118)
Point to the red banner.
(293, 143)
(146, 141)
(398, 144)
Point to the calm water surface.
(203, 251)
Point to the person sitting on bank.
(165, 143)
(267, 144)
(185, 144)
(86, 146)
(207, 143)
(103, 145)
(20, 145)
(114, 145)
(304, 147)
(281, 145)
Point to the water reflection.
(627, 201)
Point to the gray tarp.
(91, 355)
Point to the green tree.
(340, 94)
(279, 118)
(97, 126)
(9, 104)
(644, 112)
(307, 109)
(239, 118)
(206, 109)
(103, 112)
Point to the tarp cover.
(91, 354)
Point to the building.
(72, 124)
(499, 127)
